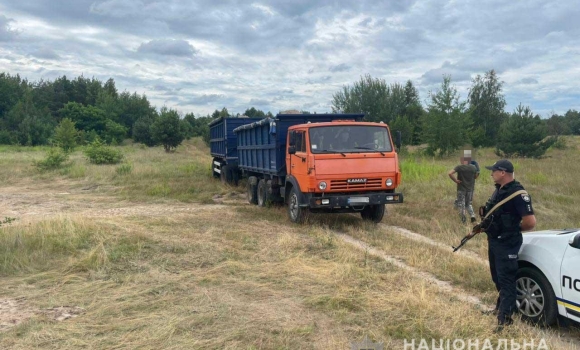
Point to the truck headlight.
(389, 182)
(322, 185)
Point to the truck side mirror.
(292, 138)
(575, 242)
(398, 139)
(291, 149)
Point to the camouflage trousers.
(463, 202)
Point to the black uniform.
(504, 237)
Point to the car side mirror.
(575, 242)
(398, 139)
(291, 149)
(292, 138)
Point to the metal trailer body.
(223, 146)
(262, 144)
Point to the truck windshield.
(349, 139)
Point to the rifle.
(485, 221)
(474, 231)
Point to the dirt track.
(27, 204)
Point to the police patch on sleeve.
(526, 197)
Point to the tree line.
(31, 113)
(448, 123)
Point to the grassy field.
(156, 254)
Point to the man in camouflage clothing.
(466, 175)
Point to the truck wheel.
(234, 176)
(224, 174)
(262, 193)
(252, 193)
(373, 213)
(535, 297)
(295, 212)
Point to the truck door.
(298, 163)
(570, 280)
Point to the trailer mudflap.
(355, 200)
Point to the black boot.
(502, 323)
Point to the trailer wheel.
(235, 176)
(224, 174)
(373, 213)
(262, 193)
(252, 193)
(295, 212)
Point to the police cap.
(503, 165)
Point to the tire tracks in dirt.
(443, 285)
(420, 238)
(561, 338)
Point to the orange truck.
(319, 163)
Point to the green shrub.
(124, 169)
(523, 134)
(55, 158)
(66, 135)
(99, 153)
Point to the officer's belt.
(495, 207)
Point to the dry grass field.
(156, 254)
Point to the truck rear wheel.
(296, 213)
(262, 193)
(252, 193)
(374, 213)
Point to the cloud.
(528, 81)
(46, 53)
(309, 105)
(253, 51)
(117, 8)
(343, 67)
(365, 22)
(6, 33)
(456, 72)
(259, 102)
(168, 47)
(204, 99)
(319, 80)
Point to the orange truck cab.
(324, 163)
(341, 166)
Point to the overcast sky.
(198, 56)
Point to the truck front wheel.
(373, 213)
(296, 213)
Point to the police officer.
(504, 234)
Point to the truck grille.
(336, 185)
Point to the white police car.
(548, 280)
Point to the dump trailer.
(320, 163)
(223, 147)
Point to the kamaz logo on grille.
(356, 181)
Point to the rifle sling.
(495, 207)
